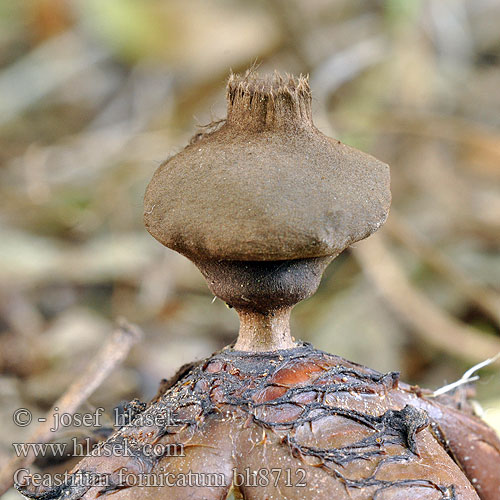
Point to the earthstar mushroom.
(261, 205)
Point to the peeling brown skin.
(472, 443)
(347, 431)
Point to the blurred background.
(95, 94)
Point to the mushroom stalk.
(261, 332)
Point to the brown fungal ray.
(340, 428)
(477, 449)
(469, 440)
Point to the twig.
(449, 387)
(346, 65)
(467, 377)
(485, 299)
(43, 70)
(430, 322)
(113, 353)
(480, 139)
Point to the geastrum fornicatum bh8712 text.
(262, 204)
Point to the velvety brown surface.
(262, 285)
(345, 431)
(267, 185)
